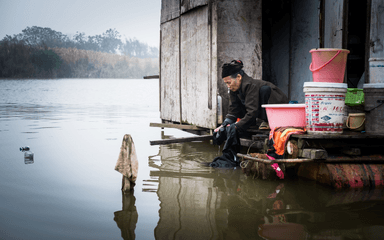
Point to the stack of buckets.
(374, 97)
(325, 95)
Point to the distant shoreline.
(144, 78)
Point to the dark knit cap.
(231, 68)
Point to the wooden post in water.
(127, 163)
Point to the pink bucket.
(328, 64)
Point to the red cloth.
(279, 173)
(275, 166)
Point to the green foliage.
(44, 53)
(45, 60)
(14, 60)
(38, 36)
(134, 48)
(108, 42)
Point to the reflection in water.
(185, 190)
(321, 214)
(28, 160)
(198, 202)
(72, 128)
(126, 219)
(72, 125)
(27, 111)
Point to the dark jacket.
(244, 103)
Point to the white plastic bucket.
(325, 107)
(376, 70)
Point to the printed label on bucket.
(325, 112)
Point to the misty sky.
(138, 19)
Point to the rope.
(250, 147)
(257, 171)
(244, 164)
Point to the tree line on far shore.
(44, 53)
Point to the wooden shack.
(272, 38)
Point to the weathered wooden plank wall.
(188, 91)
(210, 33)
(214, 74)
(196, 85)
(239, 36)
(304, 37)
(187, 5)
(170, 9)
(377, 29)
(333, 23)
(169, 79)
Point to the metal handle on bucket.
(317, 69)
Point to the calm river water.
(71, 191)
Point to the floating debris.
(28, 155)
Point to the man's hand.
(217, 129)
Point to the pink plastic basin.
(285, 115)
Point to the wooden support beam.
(257, 137)
(352, 151)
(181, 140)
(297, 160)
(346, 135)
(151, 77)
(178, 126)
(250, 143)
(314, 153)
(360, 160)
(163, 173)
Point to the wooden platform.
(345, 135)
(348, 160)
(320, 141)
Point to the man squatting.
(246, 97)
